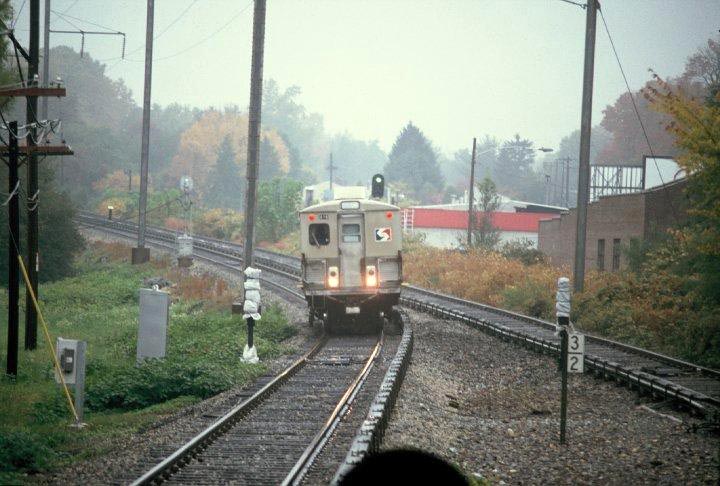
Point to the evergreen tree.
(269, 160)
(514, 171)
(414, 162)
(278, 200)
(225, 184)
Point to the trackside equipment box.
(154, 315)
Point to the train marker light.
(333, 277)
(389, 215)
(311, 217)
(370, 276)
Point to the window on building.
(616, 254)
(351, 233)
(319, 234)
(601, 255)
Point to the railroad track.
(279, 434)
(692, 386)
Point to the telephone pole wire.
(256, 79)
(585, 126)
(33, 193)
(142, 254)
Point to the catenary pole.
(471, 196)
(143, 253)
(585, 125)
(46, 59)
(13, 242)
(33, 193)
(253, 153)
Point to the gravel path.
(493, 408)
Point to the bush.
(23, 451)
(524, 251)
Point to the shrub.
(522, 250)
(23, 451)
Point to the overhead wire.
(193, 46)
(637, 114)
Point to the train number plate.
(352, 310)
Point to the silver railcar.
(351, 259)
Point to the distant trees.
(277, 202)
(356, 160)
(413, 161)
(225, 185)
(514, 170)
(484, 234)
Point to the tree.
(484, 234)
(199, 144)
(356, 160)
(696, 127)
(704, 65)
(277, 202)
(225, 184)
(514, 170)
(414, 162)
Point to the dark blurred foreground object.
(403, 466)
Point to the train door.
(351, 246)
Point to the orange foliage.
(477, 275)
(117, 180)
(199, 145)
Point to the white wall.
(450, 238)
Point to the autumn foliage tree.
(199, 145)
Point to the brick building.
(613, 221)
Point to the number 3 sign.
(576, 352)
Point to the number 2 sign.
(576, 352)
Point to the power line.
(65, 17)
(17, 17)
(582, 5)
(193, 46)
(639, 118)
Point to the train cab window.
(319, 234)
(351, 233)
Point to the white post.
(251, 311)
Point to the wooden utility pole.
(331, 167)
(46, 57)
(13, 242)
(253, 152)
(33, 192)
(142, 254)
(471, 196)
(585, 125)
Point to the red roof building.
(447, 228)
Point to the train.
(351, 259)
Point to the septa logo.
(383, 234)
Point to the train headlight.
(333, 278)
(371, 276)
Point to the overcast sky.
(455, 68)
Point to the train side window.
(351, 233)
(319, 234)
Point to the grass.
(100, 305)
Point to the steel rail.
(303, 464)
(169, 465)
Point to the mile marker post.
(251, 311)
(562, 310)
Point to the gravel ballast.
(492, 408)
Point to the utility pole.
(33, 192)
(256, 78)
(471, 196)
(46, 58)
(142, 254)
(13, 241)
(585, 125)
(566, 171)
(331, 167)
